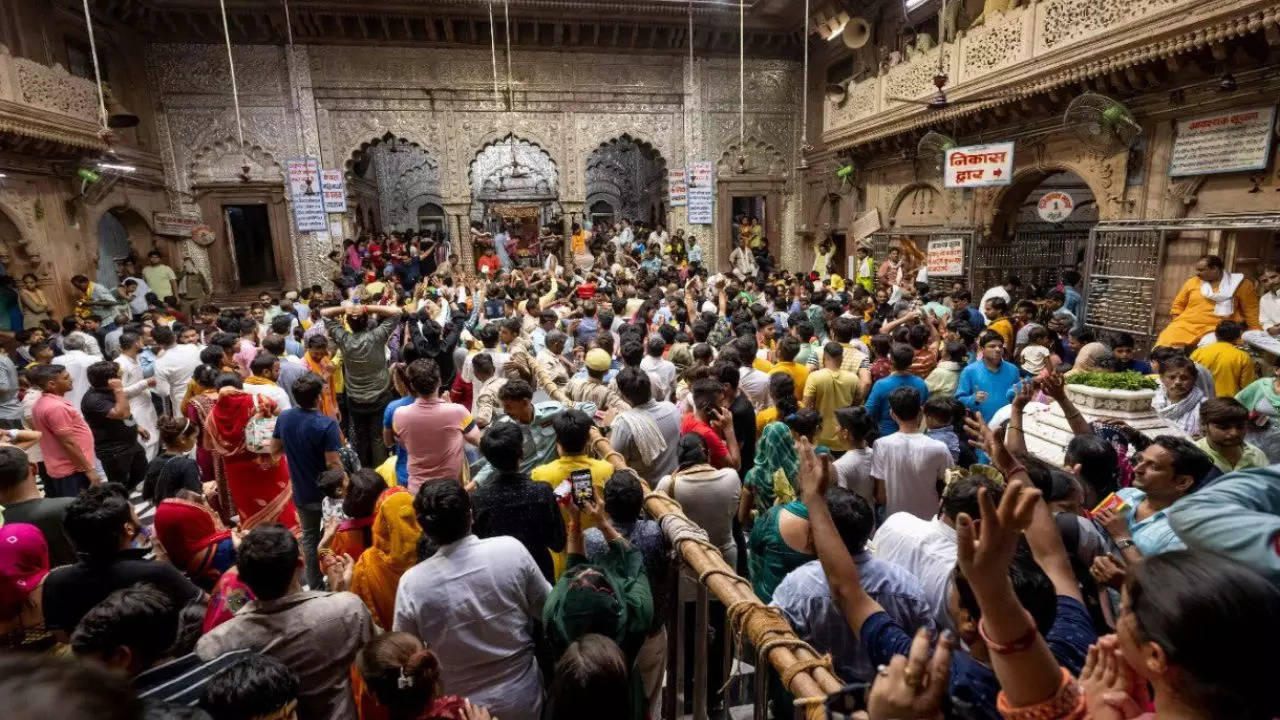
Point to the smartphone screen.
(583, 491)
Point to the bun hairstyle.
(173, 429)
(400, 672)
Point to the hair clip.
(404, 681)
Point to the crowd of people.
(417, 491)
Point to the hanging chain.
(288, 24)
(235, 92)
(493, 53)
(692, 89)
(506, 29)
(97, 73)
(742, 77)
(804, 88)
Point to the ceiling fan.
(938, 100)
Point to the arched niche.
(630, 177)
(513, 169)
(918, 205)
(403, 174)
(1007, 203)
(123, 233)
(226, 160)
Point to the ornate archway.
(630, 176)
(225, 160)
(513, 169)
(399, 174)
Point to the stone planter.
(1047, 431)
(1103, 402)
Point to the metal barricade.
(1038, 254)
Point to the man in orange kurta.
(1195, 315)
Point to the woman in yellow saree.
(395, 549)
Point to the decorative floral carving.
(915, 79)
(223, 161)
(1068, 21)
(998, 43)
(751, 157)
(53, 88)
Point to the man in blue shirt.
(388, 431)
(900, 355)
(962, 310)
(1236, 516)
(1074, 302)
(1166, 472)
(804, 596)
(987, 385)
(310, 442)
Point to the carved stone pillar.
(460, 212)
(571, 212)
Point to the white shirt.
(174, 368)
(138, 303)
(927, 548)
(140, 405)
(475, 602)
(755, 385)
(853, 472)
(662, 375)
(77, 364)
(742, 261)
(90, 342)
(910, 465)
(1269, 310)
(273, 391)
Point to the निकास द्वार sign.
(945, 257)
(978, 165)
(1232, 141)
(1055, 206)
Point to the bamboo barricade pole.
(805, 673)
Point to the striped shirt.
(181, 681)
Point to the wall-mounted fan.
(1104, 125)
(932, 150)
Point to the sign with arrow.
(979, 165)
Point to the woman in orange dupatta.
(259, 484)
(319, 362)
(195, 539)
(395, 549)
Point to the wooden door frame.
(211, 198)
(768, 186)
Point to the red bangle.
(1015, 646)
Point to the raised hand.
(913, 686)
(985, 554)
(1107, 681)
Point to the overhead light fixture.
(116, 167)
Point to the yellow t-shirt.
(1232, 368)
(798, 373)
(557, 471)
(831, 390)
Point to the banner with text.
(174, 224)
(677, 188)
(1234, 141)
(304, 192)
(335, 191)
(946, 257)
(979, 165)
(702, 192)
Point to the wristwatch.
(1124, 544)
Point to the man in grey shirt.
(290, 367)
(647, 434)
(475, 602)
(364, 364)
(10, 404)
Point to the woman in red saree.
(259, 484)
(196, 407)
(195, 540)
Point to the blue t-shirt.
(402, 457)
(977, 377)
(307, 435)
(878, 399)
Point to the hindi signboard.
(304, 192)
(677, 188)
(945, 256)
(174, 224)
(979, 165)
(334, 190)
(1055, 206)
(1232, 141)
(701, 193)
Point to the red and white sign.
(175, 224)
(979, 165)
(945, 257)
(677, 188)
(1055, 206)
(1231, 141)
(334, 190)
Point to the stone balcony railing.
(47, 103)
(1036, 47)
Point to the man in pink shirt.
(65, 439)
(431, 430)
(248, 347)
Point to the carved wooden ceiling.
(773, 27)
